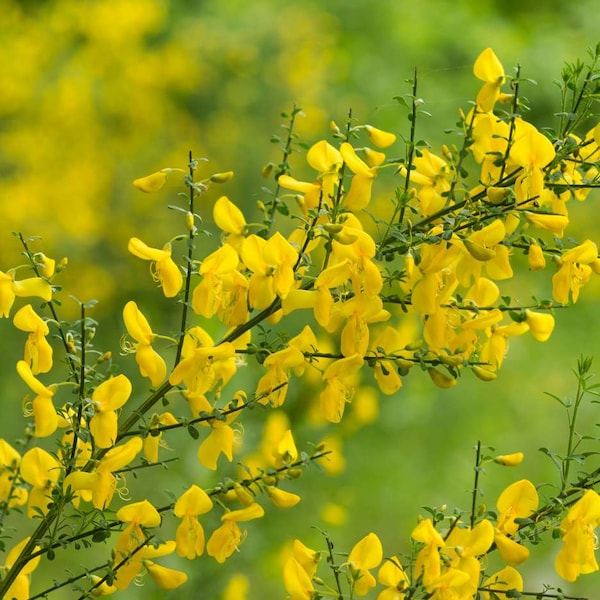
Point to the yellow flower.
(230, 219)
(44, 413)
(101, 483)
(225, 540)
(393, 576)
(338, 386)
(366, 554)
(359, 194)
(489, 69)
(151, 364)
(204, 365)
(532, 151)
(463, 547)
(19, 590)
(38, 352)
(42, 471)
(153, 441)
(574, 271)
(108, 397)
(272, 264)
(163, 268)
(215, 269)
(518, 500)
(10, 289)
(297, 581)
(577, 556)
(452, 583)
(9, 465)
(541, 325)
(220, 441)
(428, 564)
(503, 580)
(433, 175)
(386, 371)
(359, 311)
(190, 534)
(136, 515)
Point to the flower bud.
(509, 460)
(381, 139)
(442, 380)
(505, 98)
(243, 495)
(221, 177)
(48, 265)
(535, 257)
(496, 195)
(478, 251)
(189, 221)
(151, 183)
(282, 498)
(267, 170)
(483, 373)
(333, 228)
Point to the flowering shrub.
(332, 289)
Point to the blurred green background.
(96, 93)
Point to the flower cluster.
(340, 288)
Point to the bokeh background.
(96, 93)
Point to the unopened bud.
(509, 460)
(442, 380)
(333, 228)
(496, 195)
(48, 265)
(478, 251)
(267, 170)
(106, 356)
(151, 183)
(244, 496)
(221, 177)
(536, 258)
(483, 373)
(381, 139)
(269, 480)
(189, 221)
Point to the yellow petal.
(367, 553)
(194, 501)
(140, 512)
(488, 68)
(228, 217)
